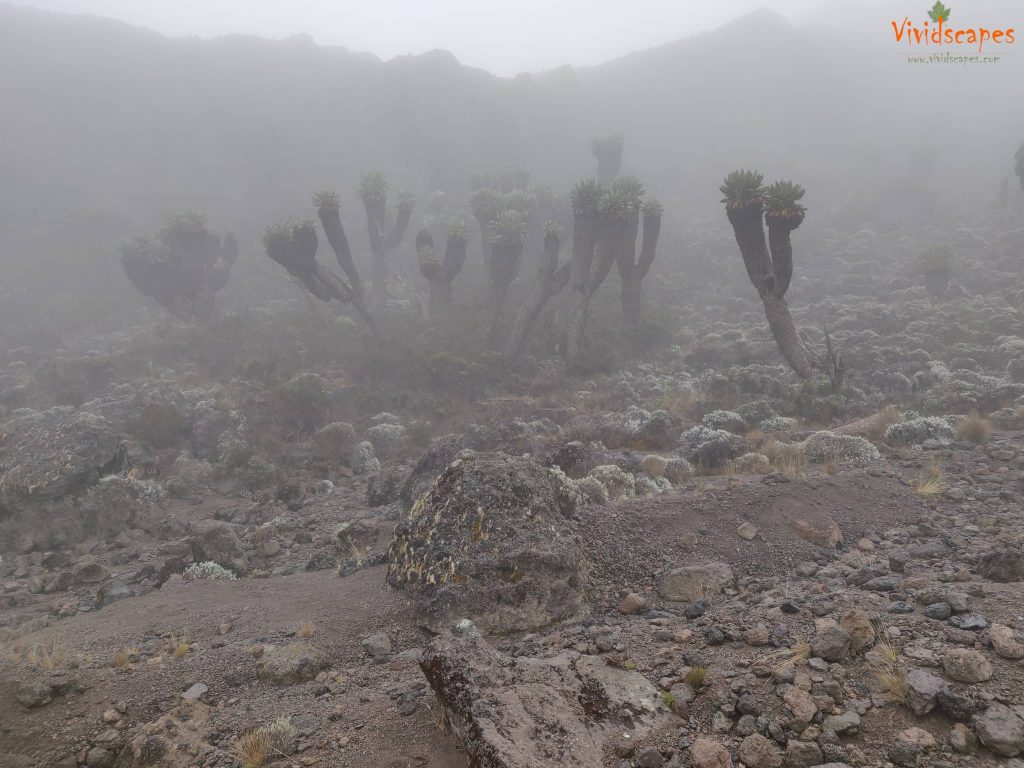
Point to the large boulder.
(216, 541)
(44, 456)
(438, 456)
(492, 540)
(527, 712)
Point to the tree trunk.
(330, 218)
(532, 309)
(587, 230)
(505, 265)
(786, 337)
(632, 300)
(440, 307)
(747, 225)
(782, 258)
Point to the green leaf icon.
(939, 12)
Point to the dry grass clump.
(798, 652)
(180, 647)
(934, 483)
(254, 748)
(974, 428)
(697, 676)
(306, 629)
(893, 684)
(787, 459)
(123, 657)
(886, 418)
(48, 656)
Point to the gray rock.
(1003, 566)
(290, 664)
(195, 692)
(801, 754)
(1000, 729)
(217, 541)
(831, 644)
(538, 712)
(846, 724)
(695, 582)
(923, 690)
(377, 646)
(938, 611)
(967, 665)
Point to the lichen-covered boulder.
(492, 540)
(439, 455)
(44, 456)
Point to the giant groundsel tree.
(385, 232)
(749, 206)
(440, 272)
(182, 267)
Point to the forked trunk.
(550, 282)
(330, 218)
(782, 257)
(632, 300)
(505, 265)
(632, 279)
(440, 300)
(746, 224)
(586, 233)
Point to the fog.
(511, 385)
(502, 37)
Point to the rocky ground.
(255, 554)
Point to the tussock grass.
(697, 676)
(254, 749)
(974, 428)
(893, 684)
(934, 483)
(886, 418)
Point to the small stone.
(922, 691)
(650, 758)
(706, 753)
(98, 757)
(632, 604)
(747, 531)
(861, 630)
(967, 665)
(758, 752)
(846, 724)
(802, 705)
(802, 754)
(961, 739)
(195, 692)
(757, 636)
(969, 621)
(919, 737)
(938, 611)
(1000, 729)
(831, 643)
(377, 646)
(1007, 642)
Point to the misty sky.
(506, 36)
(503, 36)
